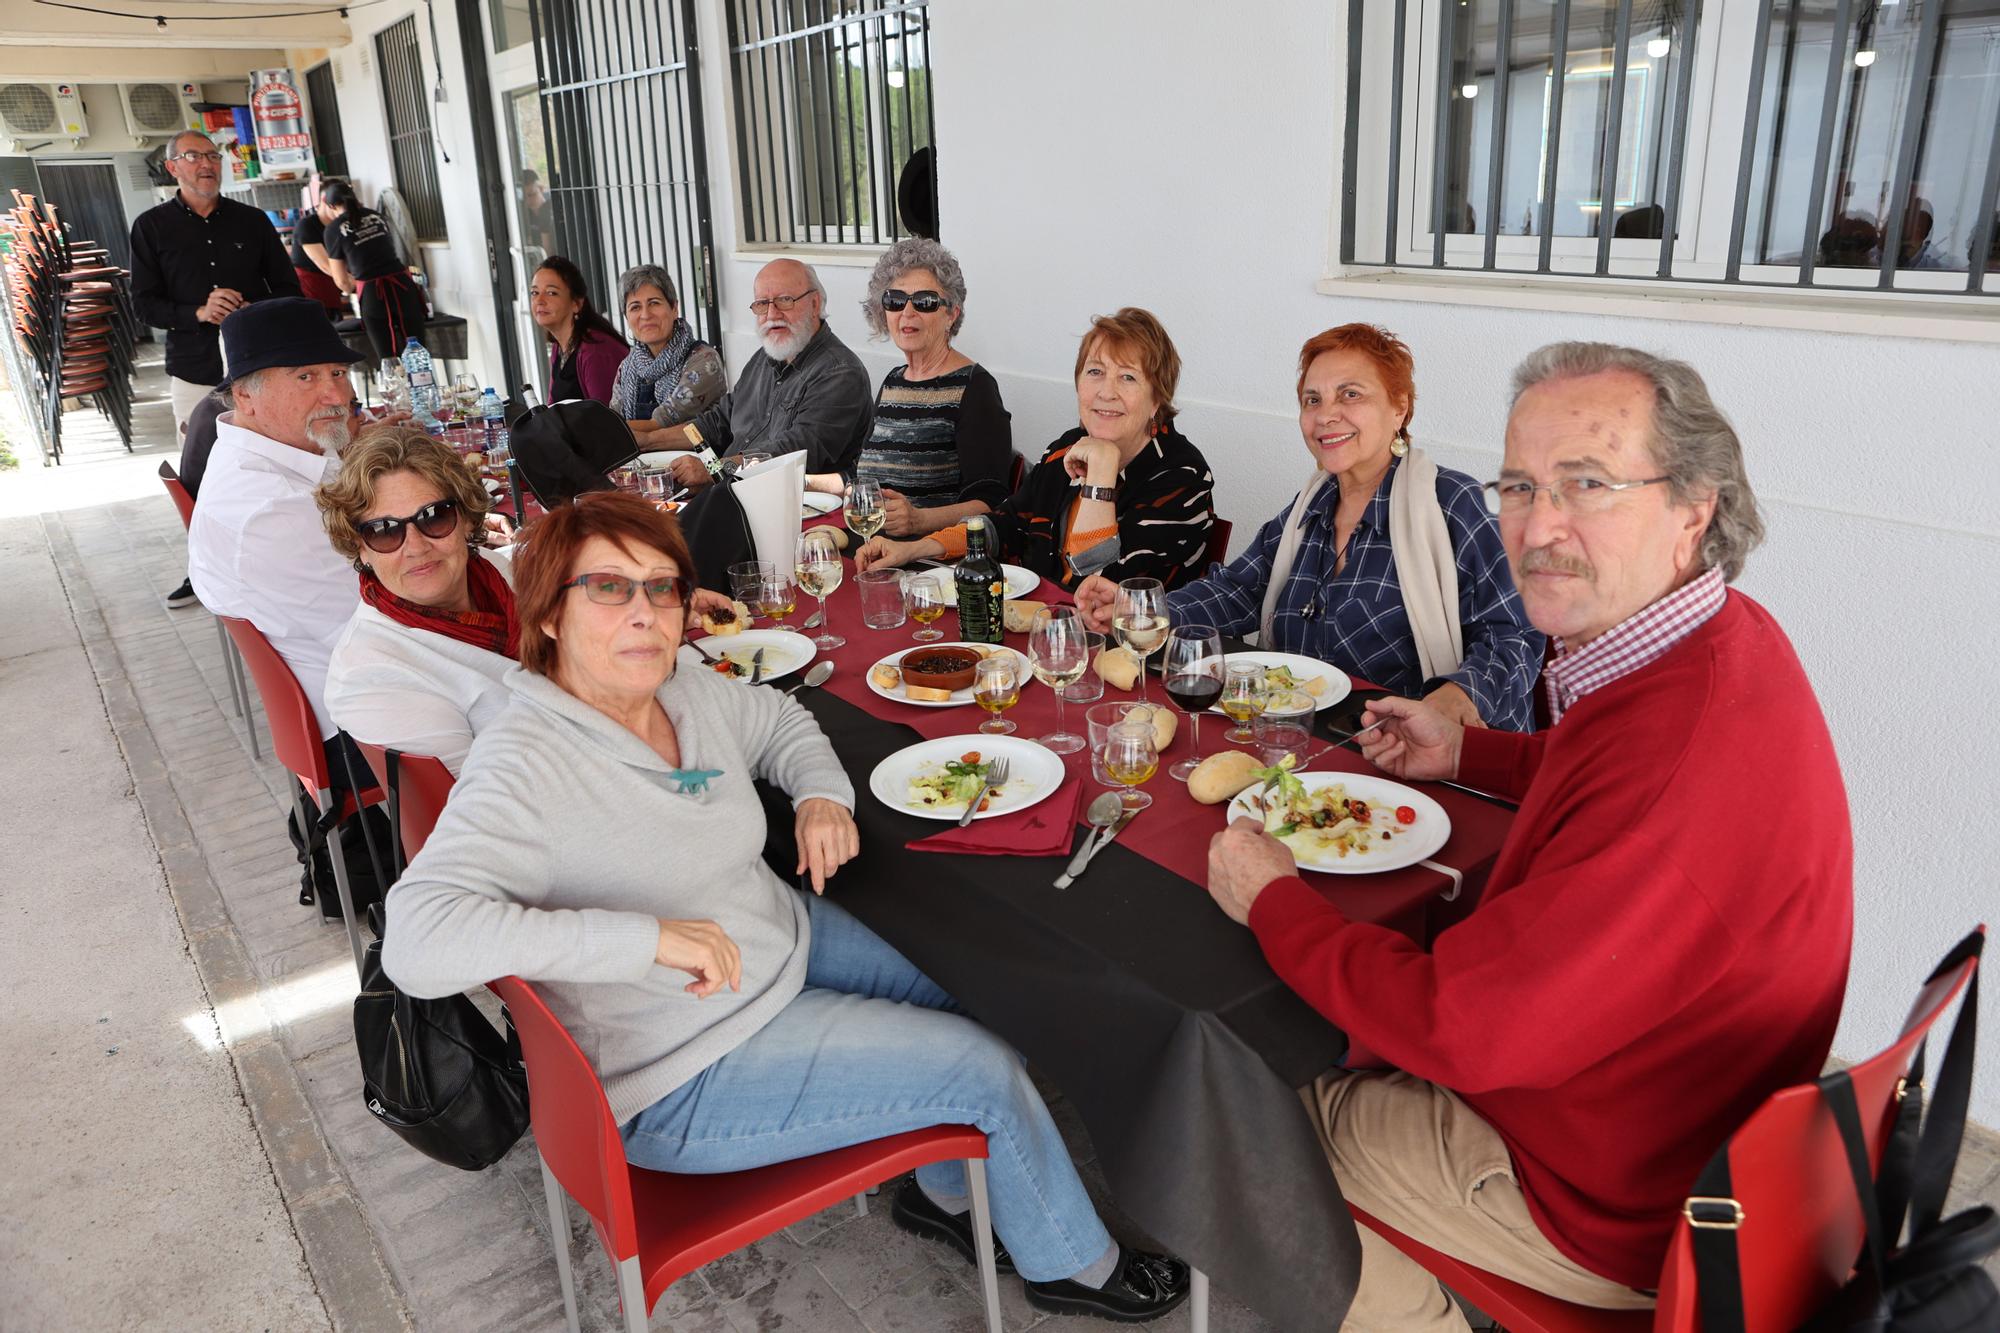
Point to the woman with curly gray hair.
(670, 376)
(942, 442)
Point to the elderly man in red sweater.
(1664, 938)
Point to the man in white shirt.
(256, 549)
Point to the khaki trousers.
(1417, 1157)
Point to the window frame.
(330, 147)
(423, 205)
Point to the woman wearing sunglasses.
(942, 443)
(607, 843)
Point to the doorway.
(87, 195)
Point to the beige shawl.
(1426, 563)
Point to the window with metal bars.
(328, 141)
(406, 105)
(835, 142)
(1847, 144)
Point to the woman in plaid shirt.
(1409, 591)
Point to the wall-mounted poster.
(284, 147)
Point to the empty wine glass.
(819, 572)
(1192, 671)
(1059, 651)
(1139, 619)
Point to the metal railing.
(1778, 235)
(412, 146)
(833, 108)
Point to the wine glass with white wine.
(930, 597)
(1059, 652)
(819, 572)
(1139, 619)
(865, 511)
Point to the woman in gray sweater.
(605, 842)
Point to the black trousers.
(375, 316)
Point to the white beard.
(332, 435)
(782, 344)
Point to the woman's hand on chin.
(1093, 460)
(827, 838)
(704, 950)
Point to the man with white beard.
(803, 389)
(256, 549)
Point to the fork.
(996, 778)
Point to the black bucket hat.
(283, 331)
(564, 449)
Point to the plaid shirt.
(1356, 619)
(1632, 643)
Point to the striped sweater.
(940, 441)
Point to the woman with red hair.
(1385, 564)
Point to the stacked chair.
(72, 320)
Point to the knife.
(1081, 861)
(757, 667)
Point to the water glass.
(1098, 720)
(747, 580)
(747, 460)
(1089, 687)
(1285, 725)
(883, 604)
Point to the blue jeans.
(871, 1048)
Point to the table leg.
(1198, 1301)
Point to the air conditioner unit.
(39, 112)
(155, 110)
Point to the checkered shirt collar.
(1634, 642)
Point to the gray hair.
(914, 252)
(174, 144)
(1693, 443)
(646, 275)
(251, 383)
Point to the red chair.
(296, 741)
(232, 665)
(1799, 1226)
(1218, 544)
(416, 798)
(1016, 472)
(656, 1227)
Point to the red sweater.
(1663, 941)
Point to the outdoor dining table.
(1131, 991)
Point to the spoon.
(1102, 814)
(819, 675)
(812, 621)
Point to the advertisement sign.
(284, 147)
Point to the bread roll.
(885, 675)
(1220, 776)
(1118, 668)
(1165, 723)
(925, 692)
(1020, 616)
(727, 622)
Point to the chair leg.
(337, 852)
(229, 667)
(982, 1242)
(559, 1237)
(861, 1204)
(632, 1295)
(1197, 1301)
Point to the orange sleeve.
(952, 539)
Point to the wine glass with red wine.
(1192, 669)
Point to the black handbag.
(435, 1071)
(718, 533)
(1931, 1284)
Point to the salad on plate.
(1325, 821)
(954, 783)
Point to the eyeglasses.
(664, 591)
(191, 158)
(436, 519)
(781, 302)
(1576, 495)
(927, 303)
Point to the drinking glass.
(746, 460)
(996, 687)
(1285, 725)
(819, 572)
(1089, 687)
(746, 583)
(865, 512)
(1059, 651)
(1130, 758)
(776, 597)
(1139, 619)
(883, 604)
(930, 598)
(1192, 671)
(1242, 699)
(1098, 721)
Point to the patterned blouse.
(941, 441)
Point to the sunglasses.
(927, 303)
(664, 591)
(437, 519)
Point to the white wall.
(1163, 155)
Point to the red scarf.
(490, 624)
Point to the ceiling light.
(1659, 46)
(1864, 59)
(1469, 91)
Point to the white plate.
(814, 503)
(1422, 840)
(784, 650)
(1338, 686)
(1034, 773)
(1020, 581)
(663, 457)
(959, 698)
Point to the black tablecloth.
(1152, 1011)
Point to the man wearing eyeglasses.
(196, 258)
(1663, 939)
(803, 389)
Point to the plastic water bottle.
(492, 418)
(423, 383)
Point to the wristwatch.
(1108, 494)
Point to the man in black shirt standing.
(195, 258)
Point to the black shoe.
(182, 596)
(914, 1212)
(1145, 1287)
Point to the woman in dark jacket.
(584, 350)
